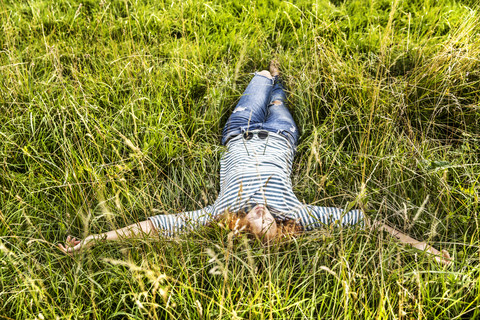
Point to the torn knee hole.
(265, 73)
(277, 102)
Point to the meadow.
(111, 111)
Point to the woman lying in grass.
(256, 193)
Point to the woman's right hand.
(442, 257)
(74, 245)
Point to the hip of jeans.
(234, 132)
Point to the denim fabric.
(256, 110)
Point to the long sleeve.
(173, 224)
(317, 217)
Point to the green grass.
(111, 111)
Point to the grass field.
(111, 111)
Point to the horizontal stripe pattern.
(254, 172)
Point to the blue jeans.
(256, 110)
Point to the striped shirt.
(257, 171)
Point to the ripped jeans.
(262, 107)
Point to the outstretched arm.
(325, 216)
(166, 225)
(441, 257)
(317, 217)
(141, 229)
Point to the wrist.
(89, 238)
(94, 238)
(433, 251)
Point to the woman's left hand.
(74, 245)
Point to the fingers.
(71, 245)
(64, 249)
(72, 241)
(444, 259)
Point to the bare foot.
(274, 68)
